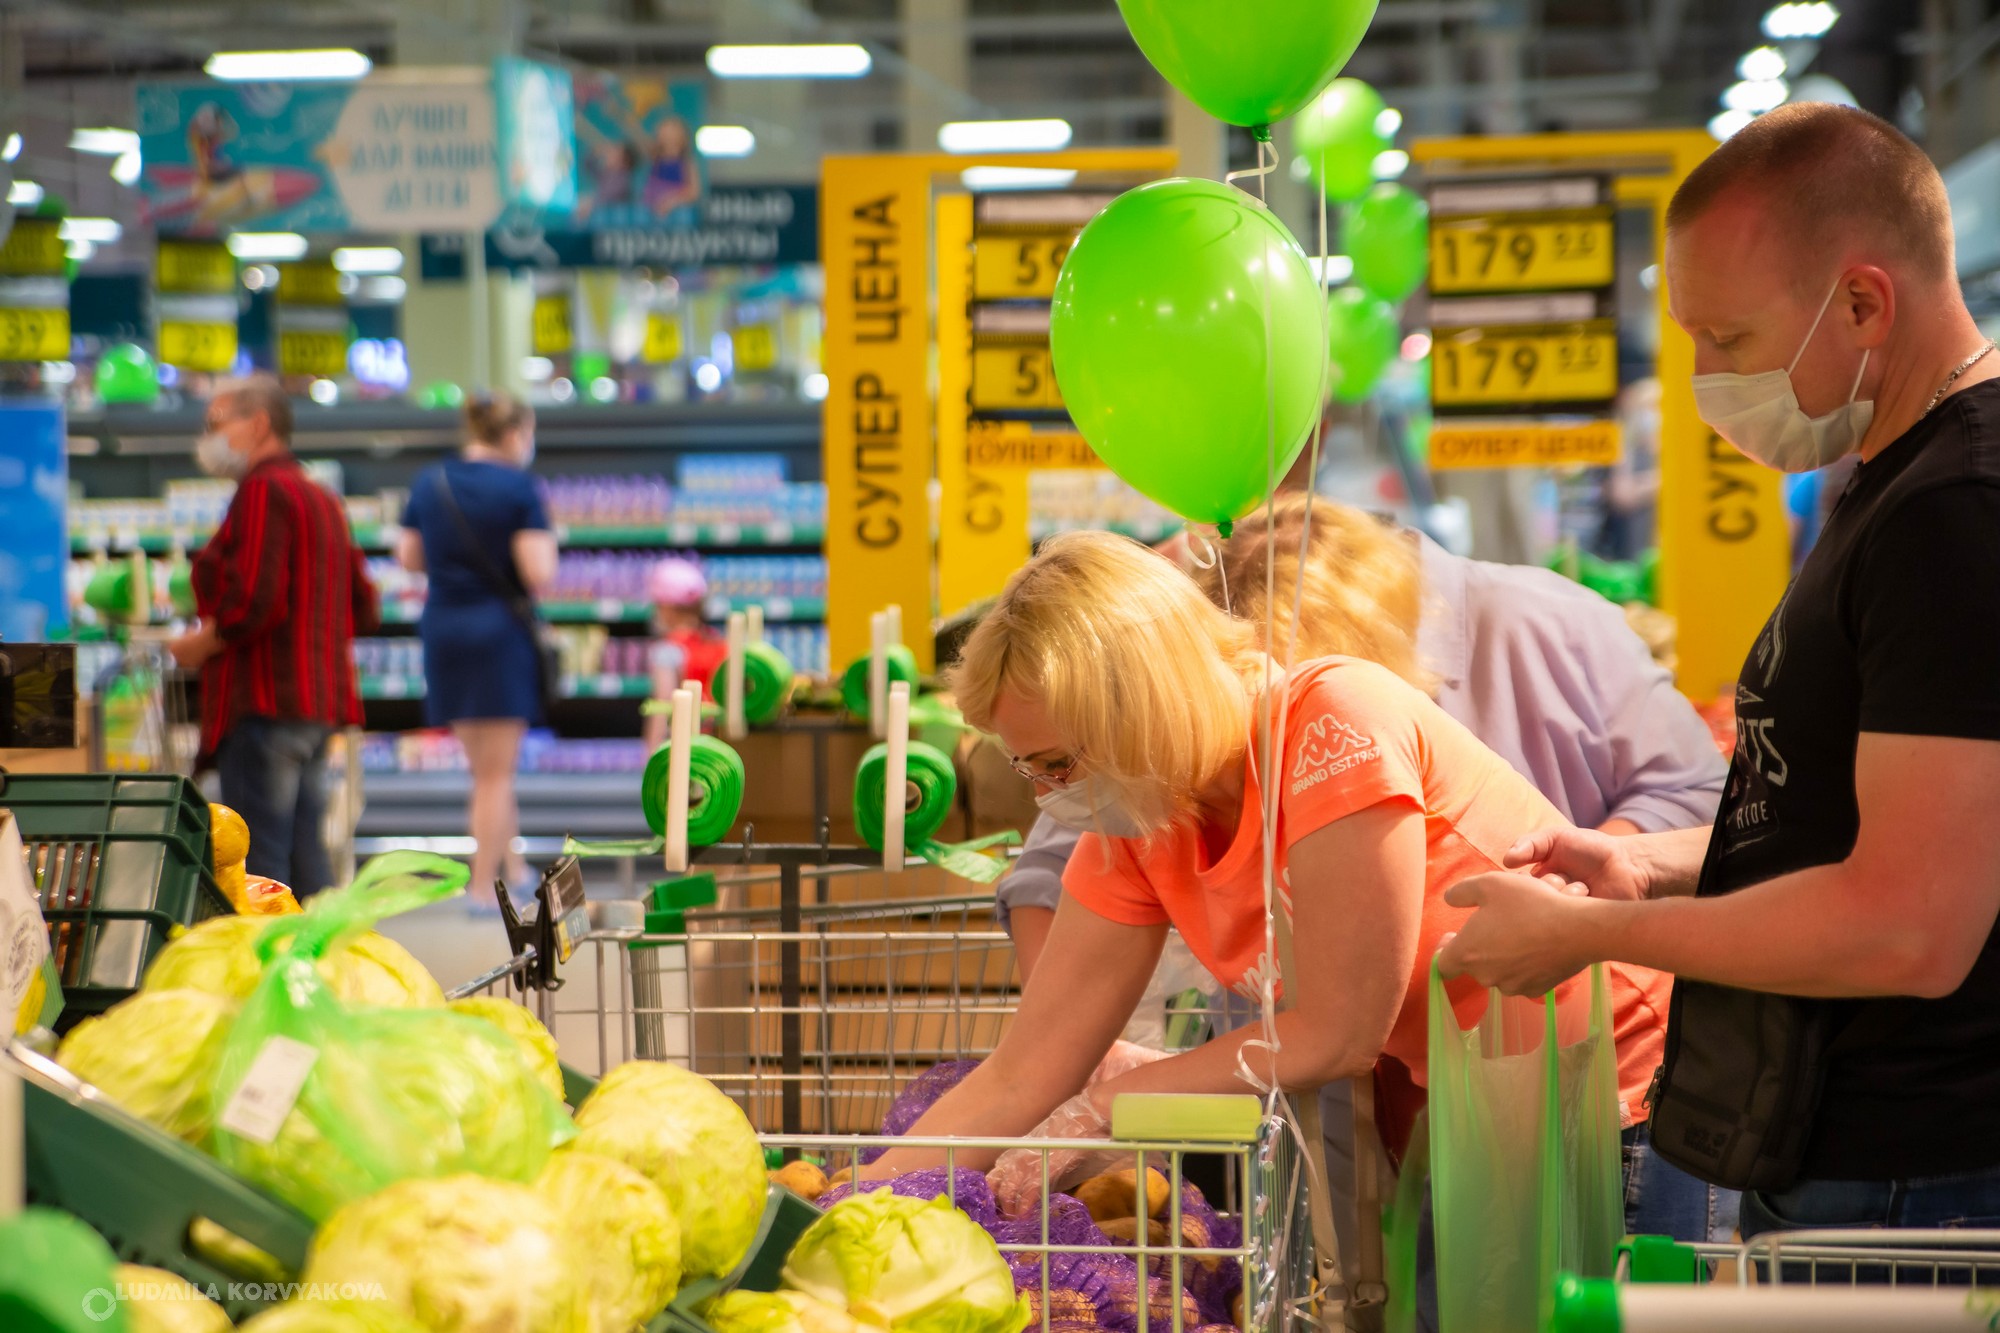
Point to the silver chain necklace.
(1952, 378)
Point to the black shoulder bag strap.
(512, 594)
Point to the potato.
(1115, 1194)
(1127, 1229)
(802, 1178)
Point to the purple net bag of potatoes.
(919, 1097)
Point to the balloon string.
(1267, 162)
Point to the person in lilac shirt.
(1546, 673)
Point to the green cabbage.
(628, 1235)
(331, 1317)
(393, 1094)
(911, 1265)
(776, 1312)
(679, 1130)
(220, 956)
(157, 1301)
(155, 1055)
(462, 1254)
(517, 1022)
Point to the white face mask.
(1079, 806)
(214, 456)
(1760, 414)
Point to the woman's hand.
(1017, 1177)
(1603, 864)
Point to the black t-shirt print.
(1893, 626)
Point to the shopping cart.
(1825, 1281)
(138, 713)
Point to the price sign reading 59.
(1018, 268)
(1013, 378)
(1522, 253)
(1525, 365)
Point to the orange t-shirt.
(1357, 735)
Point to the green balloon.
(126, 374)
(1387, 235)
(1336, 135)
(440, 393)
(1363, 339)
(1183, 313)
(588, 366)
(1248, 64)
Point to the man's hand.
(1525, 938)
(195, 647)
(1603, 864)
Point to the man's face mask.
(1760, 414)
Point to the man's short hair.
(1829, 174)
(260, 393)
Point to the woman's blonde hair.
(1363, 594)
(1147, 682)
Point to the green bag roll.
(767, 683)
(900, 664)
(1525, 1153)
(932, 786)
(715, 798)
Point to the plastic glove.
(1122, 1058)
(1017, 1177)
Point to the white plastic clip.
(753, 621)
(896, 782)
(681, 738)
(733, 725)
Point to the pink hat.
(677, 582)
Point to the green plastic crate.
(118, 860)
(143, 1191)
(786, 1217)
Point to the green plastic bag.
(323, 1102)
(1525, 1154)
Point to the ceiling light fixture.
(98, 231)
(1766, 62)
(724, 141)
(1756, 95)
(1727, 123)
(1015, 178)
(843, 60)
(13, 148)
(268, 245)
(24, 194)
(1791, 21)
(257, 66)
(105, 141)
(1003, 136)
(368, 259)
(125, 169)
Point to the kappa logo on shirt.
(1331, 747)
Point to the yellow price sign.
(195, 266)
(34, 335)
(1522, 253)
(1525, 365)
(310, 284)
(1014, 378)
(201, 347)
(552, 335)
(1503, 444)
(311, 352)
(756, 347)
(1013, 268)
(663, 340)
(34, 248)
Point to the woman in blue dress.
(476, 524)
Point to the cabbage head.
(681, 1132)
(220, 956)
(155, 1055)
(742, 1311)
(157, 1301)
(461, 1254)
(627, 1234)
(537, 1046)
(393, 1094)
(331, 1317)
(910, 1265)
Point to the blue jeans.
(1962, 1199)
(1660, 1200)
(273, 773)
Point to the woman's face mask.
(1080, 805)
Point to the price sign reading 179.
(1525, 366)
(1523, 252)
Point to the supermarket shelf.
(777, 611)
(433, 804)
(677, 536)
(573, 687)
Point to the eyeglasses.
(1057, 775)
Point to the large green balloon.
(1362, 340)
(126, 374)
(1182, 311)
(1336, 135)
(1248, 64)
(1387, 235)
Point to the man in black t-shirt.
(1834, 1044)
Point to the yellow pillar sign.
(875, 246)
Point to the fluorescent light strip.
(724, 141)
(1003, 136)
(13, 148)
(257, 245)
(105, 141)
(24, 194)
(125, 169)
(101, 231)
(1015, 178)
(236, 66)
(368, 259)
(804, 61)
